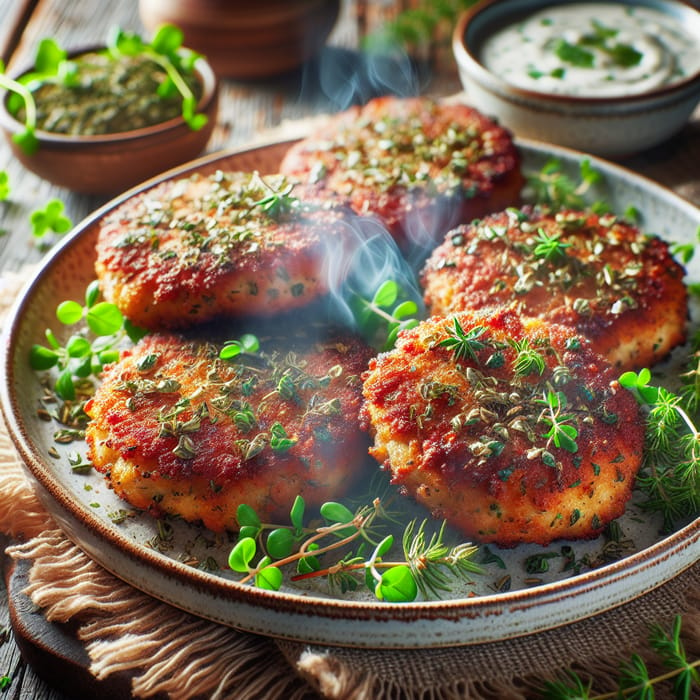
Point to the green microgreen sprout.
(247, 343)
(464, 344)
(262, 550)
(5, 682)
(560, 433)
(50, 218)
(4, 185)
(634, 680)
(686, 251)
(79, 358)
(26, 139)
(670, 475)
(385, 315)
(553, 188)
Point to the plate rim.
(553, 593)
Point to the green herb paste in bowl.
(108, 95)
(102, 119)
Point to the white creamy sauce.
(593, 50)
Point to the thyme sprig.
(279, 203)
(670, 475)
(634, 679)
(550, 248)
(427, 566)
(464, 344)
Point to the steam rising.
(343, 78)
(358, 264)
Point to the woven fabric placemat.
(179, 655)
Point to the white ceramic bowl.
(607, 126)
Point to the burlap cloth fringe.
(178, 655)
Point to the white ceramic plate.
(82, 503)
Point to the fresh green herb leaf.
(573, 54)
(397, 585)
(4, 185)
(378, 322)
(634, 680)
(560, 433)
(166, 50)
(268, 577)
(80, 357)
(428, 563)
(50, 219)
(242, 554)
(670, 476)
(464, 344)
(247, 343)
(556, 189)
(49, 57)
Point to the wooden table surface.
(247, 110)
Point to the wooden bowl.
(109, 164)
(248, 40)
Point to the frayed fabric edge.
(166, 650)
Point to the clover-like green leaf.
(280, 543)
(397, 585)
(269, 578)
(104, 318)
(69, 312)
(242, 554)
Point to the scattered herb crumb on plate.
(523, 590)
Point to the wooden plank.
(73, 24)
(14, 15)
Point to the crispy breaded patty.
(177, 430)
(595, 273)
(421, 166)
(512, 430)
(190, 250)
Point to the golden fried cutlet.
(419, 165)
(177, 430)
(512, 430)
(595, 273)
(229, 244)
